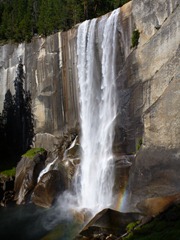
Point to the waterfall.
(97, 84)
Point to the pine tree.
(45, 18)
(16, 120)
(21, 19)
(19, 108)
(8, 119)
(24, 128)
(28, 122)
(6, 28)
(2, 134)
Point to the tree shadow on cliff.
(16, 122)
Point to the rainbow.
(121, 200)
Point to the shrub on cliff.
(135, 38)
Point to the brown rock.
(49, 187)
(108, 222)
(27, 172)
(156, 205)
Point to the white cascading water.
(97, 84)
(46, 169)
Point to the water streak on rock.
(46, 169)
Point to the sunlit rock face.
(149, 16)
(50, 75)
(8, 63)
(157, 205)
(156, 99)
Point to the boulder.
(51, 184)
(6, 189)
(107, 222)
(27, 172)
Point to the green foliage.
(131, 226)
(135, 38)
(122, 2)
(9, 173)
(21, 19)
(32, 152)
(164, 227)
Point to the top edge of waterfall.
(104, 16)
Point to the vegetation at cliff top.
(164, 227)
(32, 152)
(9, 173)
(20, 20)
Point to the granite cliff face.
(50, 75)
(156, 98)
(148, 89)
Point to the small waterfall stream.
(98, 104)
(46, 169)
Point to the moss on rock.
(32, 152)
(9, 172)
